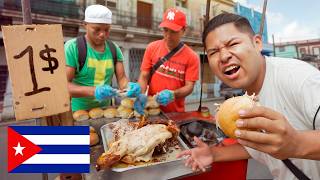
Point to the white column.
(125, 52)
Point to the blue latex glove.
(104, 92)
(165, 97)
(140, 103)
(133, 89)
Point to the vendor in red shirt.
(175, 78)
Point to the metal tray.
(207, 127)
(170, 156)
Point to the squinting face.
(172, 38)
(98, 33)
(234, 56)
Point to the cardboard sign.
(36, 63)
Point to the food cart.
(167, 170)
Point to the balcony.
(72, 14)
(129, 21)
(60, 8)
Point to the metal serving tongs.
(122, 93)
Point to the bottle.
(205, 111)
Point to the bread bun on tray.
(125, 113)
(96, 113)
(92, 130)
(80, 115)
(94, 138)
(110, 112)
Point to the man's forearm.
(309, 145)
(80, 91)
(143, 81)
(229, 153)
(123, 82)
(183, 91)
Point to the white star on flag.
(170, 15)
(18, 149)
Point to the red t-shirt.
(181, 67)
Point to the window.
(112, 4)
(316, 50)
(303, 51)
(282, 49)
(181, 3)
(102, 2)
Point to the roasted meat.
(137, 145)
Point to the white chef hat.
(98, 14)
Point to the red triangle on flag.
(15, 158)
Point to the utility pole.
(206, 20)
(263, 17)
(297, 49)
(274, 45)
(26, 12)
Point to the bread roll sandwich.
(80, 115)
(154, 111)
(136, 114)
(125, 113)
(110, 112)
(228, 113)
(96, 113)
(151, 102)
(127, 103)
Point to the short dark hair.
(240, 22)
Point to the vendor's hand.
(104, 92)
(198, 158)
(165, 97)
(133, 89)
(274, 136)
(140, 103)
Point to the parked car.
(228, 92)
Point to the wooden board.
(36, 63)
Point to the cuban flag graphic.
(48, 149)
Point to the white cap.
(98, 14)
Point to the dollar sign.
(48, 58)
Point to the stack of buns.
(136, 114)
(125, 110)
(152, 106)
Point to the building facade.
(135, 25)
(306, 50)
(255, 18)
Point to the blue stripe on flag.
(65, 149)
(52, 168)
(52, 130)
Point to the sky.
(290, 20)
